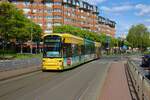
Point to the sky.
(124, 12)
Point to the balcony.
(20, 5)
(85, 6)
(57, 0)
(56, 13)
(55, 20)
(57, 7)
(67, 2)
(73, 3)
(95, 10)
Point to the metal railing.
(140, 82)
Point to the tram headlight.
(59, 64)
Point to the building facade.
(50, 13)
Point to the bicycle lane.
(116, 86)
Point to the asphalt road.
(81, 83)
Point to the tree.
(86, 34)
(14, 25)
(138, 36)
(6, 19)
(102, 38)
(37, 35)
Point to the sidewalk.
(116, 86)
(17, 72)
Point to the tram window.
(88, 49)
(79, 50)
(93, 49)
(75, 49)
(52, 49)
(67, 50)
(82, 50)
(64, 51)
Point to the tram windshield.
(52, 46)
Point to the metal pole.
(3, 47)
(31, 32)
(31, 41)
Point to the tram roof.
(68, 38)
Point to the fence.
(140, 82)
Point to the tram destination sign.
(52, 40)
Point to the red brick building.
(49, 13)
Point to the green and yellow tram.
(64, 51)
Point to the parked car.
(146, 61)
(146, 65)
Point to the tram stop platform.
(116, 85)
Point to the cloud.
(117, 9)
(148, 27)
(95, 2)
(144, 9)
(141, 9)
(147, 20)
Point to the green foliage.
(138, 36)
(78, 32)
(127, 43)
(72, 30)
(14, 25)
(113, 42)
(85, 34)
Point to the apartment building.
(107, 26)
(78, 13)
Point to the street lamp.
(31, 37)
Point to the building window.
(26, 10)
(69, 1)
(49, 24)
(69, 14)
(49, 17)
(57, 24)
(67, 20)
(73, 2)
(64, 0)
(73, 15)
(66, 6)
(33, 17)
(49, 11)
(57, 3)
(48, 31)
(57, 10)
(81, 4)
(58, 17)
(77, 3)
(48, 4)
